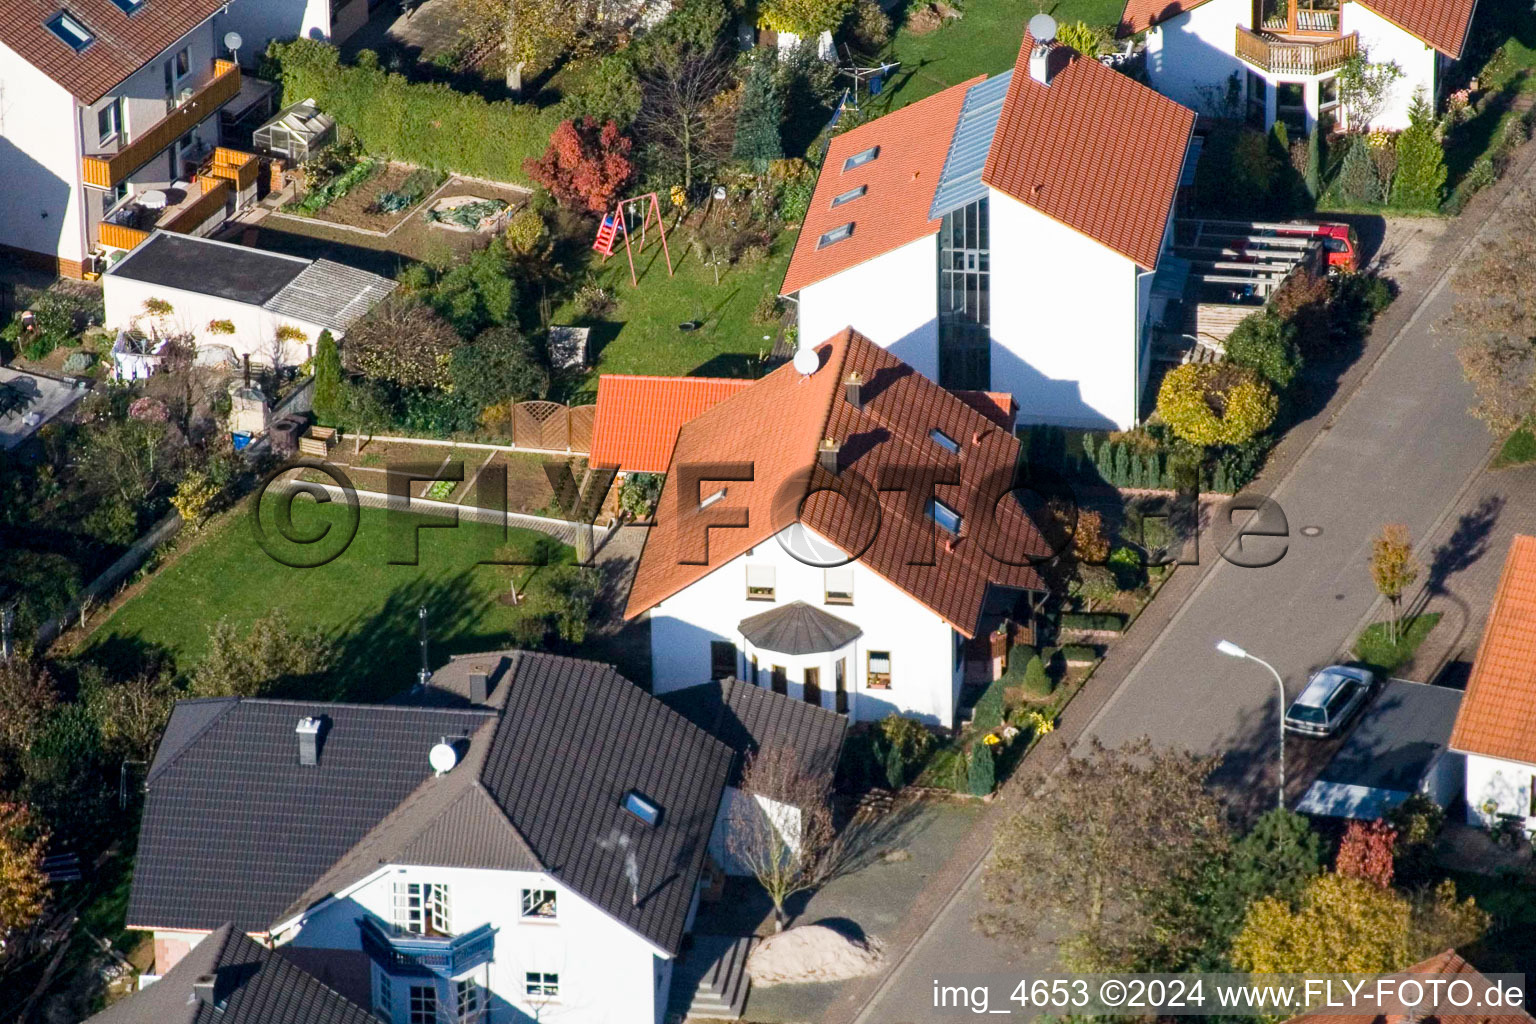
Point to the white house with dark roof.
(238, 301)
(1005, 235)
(1283, 56)
(523, 838)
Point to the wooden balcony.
(119, 236)
(231, 165)
(192, 215)
(107, 171)
(184, 218)
(1295, 57)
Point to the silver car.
(1332, 697)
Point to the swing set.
(617, 223)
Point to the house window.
(811, 686)
(760, 579)
(109, 120)
(384, 998)
(944, 441)
(422, 909)
(424, 1004)
(71, 31)
(183, 61)
(879, 675)
(643, 807)
(541, 984)
(860, 158)
(467, 998)
(539, 903)
(1327, 96)
(752, 670)
(1291, 106)
(780, 679)
(849, 196)
(722, 659)
(130, 6)
(840, 683)
(836, 235)
(945, 516)
(1258, 99)
(839, 585)
(965, 298)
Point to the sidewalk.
(1127, 653)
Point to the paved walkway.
(1393, 443)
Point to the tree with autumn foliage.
(23, 886)
(1367, 851)
(586, 165)
(1393, 569)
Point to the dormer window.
(945, 516)
(860, 158)
(944, 441)
(834, 236)
(130, 6)
(642, 807)
(849, 196)
(70, 31)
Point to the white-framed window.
(760, 583)
(878, 676)
(384, 998)
(839, 584)
(422, 908)
(183, 63)
(424, 1004)
(539, 904)
(468, 1000)
(109, 120)
(542, 984)
(1328, 95)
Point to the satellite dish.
(232, 41)
(806, 361)
(442, 758)
(1043, 28)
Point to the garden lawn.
(1518, 449)
(984, 42)
(1376, 650)
(365, 604)
(641, 335)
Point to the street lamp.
(1231, 650)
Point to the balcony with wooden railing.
(1295, 57)
(231, 165)
(108, 170)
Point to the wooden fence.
(553, 427)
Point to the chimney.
(308, 731)
(1042, 27)
(479, 686)
(853, 387)
(826, 455)
(203, 989)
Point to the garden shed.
(297, 132)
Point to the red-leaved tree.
(1365, 852)
(585, 166)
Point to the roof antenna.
(424, 674)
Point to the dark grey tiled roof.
(747, 718)
(797, 628)
(252, 985)
(235, 829)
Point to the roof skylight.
(860, 158)
(71, 31)
(945, 516)
(834, 236)
(642, 807)
(944, 441)
(849, 196)
(130, 6)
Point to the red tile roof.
(1440, 23)
(777, 425)
(1095, 150)
(124, 43)
(637, 418)
(997, 406)
(1447, 963)
(1498, 714)
(913, 143)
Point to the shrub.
(1358, 181)
(1421, 169)
(805, 18)
(1036, 681)
(1086, 39)
(1303, 303)
(1094, 584)
(1111, 622)
(429, 124)
(221, 327)
(1079, 654)
(1264, 343)
(639, 492)
(55, 319)
(610, 91)
(500, 365)
(78, 362)
(1125, 564)
(585, 166)
(757, 119)
(869, 27)
(988, 713)
(327, 394)
(981, 774)
(194, 498)
(902, 746)
(526, 232)
(1221, 403)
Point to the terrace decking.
(1271, 53)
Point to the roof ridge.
(192, 740)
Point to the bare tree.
(781, 829)
(687, 115)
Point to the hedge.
(424, 123)
(1111, 622)
(1079, 654)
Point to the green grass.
(368, 606)
(1385, 657)
(1518, 449)
(641, 334)
(983, 42)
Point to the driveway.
(1400, 448)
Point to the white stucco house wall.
(1217, 57)
(889, 609)
(261, 22)
(89, 123)
(1003, 235)
(236, 302)
(1496, 726)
